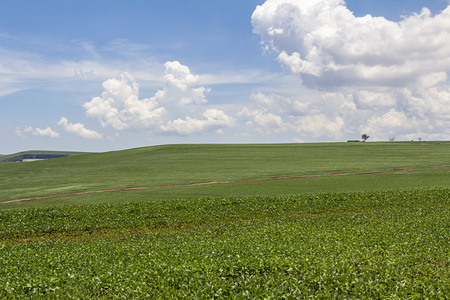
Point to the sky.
(97, 75)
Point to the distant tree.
(364, 137)
(392, 139)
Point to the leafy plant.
(381, 244)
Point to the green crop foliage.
(387, 244)
(177, 214)
(378, 236)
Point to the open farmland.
(21, 156)
(383, 235)
(187, 164)
(347, 245)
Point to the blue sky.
(109, 75)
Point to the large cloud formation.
(384, 77)
(328, 45)
(120, 105)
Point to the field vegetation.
(19, 157)
(186, 164)
(383, 235)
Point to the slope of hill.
(277, 243)
(185, 164)
(21, 156)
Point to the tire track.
(219, 182)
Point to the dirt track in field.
(218, 182)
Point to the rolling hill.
(356, 234)
(20, 156)
(186, 164)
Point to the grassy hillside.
(184, 164)
(18, 157)
(283, 240)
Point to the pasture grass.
(17, 157)
(185, 164)
(344, 183)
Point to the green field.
(18, 157)
(186, 164)
(346, 245)
(375, 236)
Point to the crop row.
(395, 252)
(178, 214)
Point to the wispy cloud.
(79, 61)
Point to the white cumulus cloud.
(179, 75)
(120, 107)
(262, 121)
(390, 124)
(181, 86)
(38, 132)
(326, 43)
(211, 119)
(177, 107)
(45, 132)
(378, 76)
(320, 125)
(78, 129)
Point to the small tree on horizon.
(364, 137)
